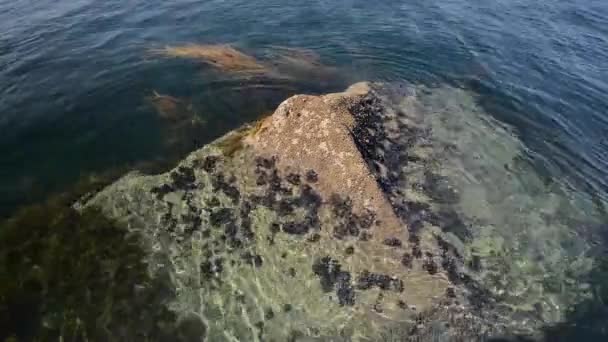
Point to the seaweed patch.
(162, 190)
(365, 236)
(332, 277)
(221, 56)
(183, 178)
(341, 207)
(430, 266)
(312, 176)
(406, 260)
(449, 221)
(220, 184)
(309, 198)
(268, 314)
(348, 223)
(295, 228)
(294, 179)
(437, 187)
(222, 216)
(209, 163)
(265, 163)
(44, 244)
(393, 242)
(367, 280)
(212, 268)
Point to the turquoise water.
(77, 79)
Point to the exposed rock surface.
(326, 221)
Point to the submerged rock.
(221, 56)
(332, 209)
(181, 125)
(78, 275)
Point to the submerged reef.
(224, 57)
(281, 64)
(76, 276)
(341, 217)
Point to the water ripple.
(538, 66)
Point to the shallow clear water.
(74, 73)
(76, 79)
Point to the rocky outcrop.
(325, 220)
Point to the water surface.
(76, 78)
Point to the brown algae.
(221, 56)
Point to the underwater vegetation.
(256, 83)
(586, 321)
(171, 108)
(75, 276)
(181, 126)
(276, 63)
(223, 57)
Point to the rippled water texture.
(74, 74)
(512, 95)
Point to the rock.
(301, 191)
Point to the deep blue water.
(73, 74)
